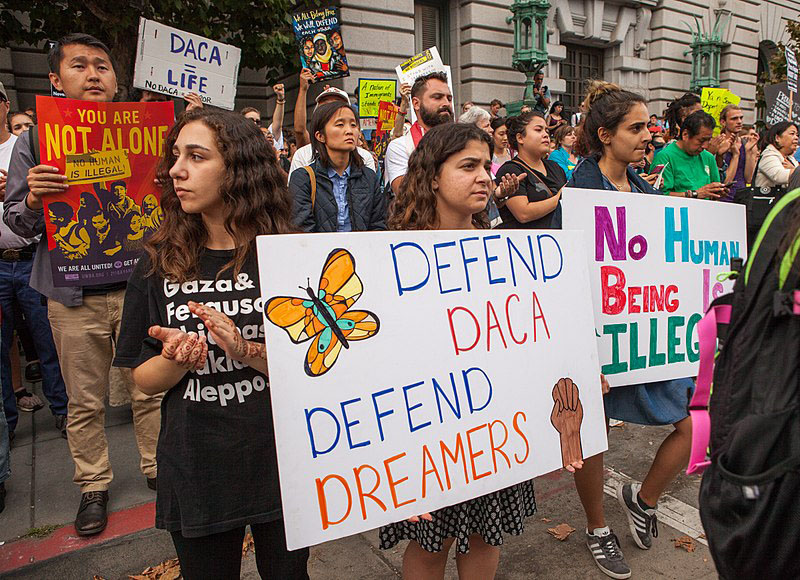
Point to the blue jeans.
(16, 292)
(5, 448)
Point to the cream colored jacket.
(771, 171)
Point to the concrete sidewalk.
(41, 494)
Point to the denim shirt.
(340, 194)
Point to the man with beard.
(433, 105)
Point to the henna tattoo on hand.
(248, 349)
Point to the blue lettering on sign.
(188, 79)
(201, 52)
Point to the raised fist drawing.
(566, 417)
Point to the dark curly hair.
(253, 190)
(516, 126)
(414, 208)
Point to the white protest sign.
(791, 70)
(469, 365)
(653, 263)
(174, 62)
(424, 63)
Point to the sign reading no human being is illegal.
(415, 370)
(655, 264)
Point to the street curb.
(30, 556)
(114, 559)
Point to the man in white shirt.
(304, 156)
(276, 128)
(433, 105)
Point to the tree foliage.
(261, 29)
(776, 70)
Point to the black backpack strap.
(33, 144)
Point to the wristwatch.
(693, 194)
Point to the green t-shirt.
(685, 172)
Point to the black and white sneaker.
(604, 546)
(643, 522)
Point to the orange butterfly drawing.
(325, 316)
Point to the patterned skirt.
(490, 516)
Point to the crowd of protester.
(320, 175)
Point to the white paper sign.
(174, 62)
(653, 263)
(424, 63)
(457, 349)
(791, 70)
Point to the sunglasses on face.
(256, 121)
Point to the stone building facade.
(640, 44)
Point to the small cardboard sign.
(318, 34)
(780, 107)
(370, 94)
(387, 114)
(97, 166)
(714, 100)
(791, 70)
(173, 62)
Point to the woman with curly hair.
(217, 466)
(446, 187)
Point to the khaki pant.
(85, 337)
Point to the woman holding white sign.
(447, 187)
(614, 136)
(217, 465)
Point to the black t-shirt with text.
(217, 465)
(554, 179)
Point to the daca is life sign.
(654, 265)
(174, 62)
(410, 371)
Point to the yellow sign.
(98, 166)
(370, 94)
(714, 100)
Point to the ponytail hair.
(606, 105)
(673, 115)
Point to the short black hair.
(496, 102)
(517, 125)
(56, 53)
(420, 84)
(498, 122)
(776, 131)
(696, 121)
(118, 183)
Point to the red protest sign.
(109, 153)
(387, 113)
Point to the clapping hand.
(186, 349)
(508, 186)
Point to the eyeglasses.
(256, 121)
